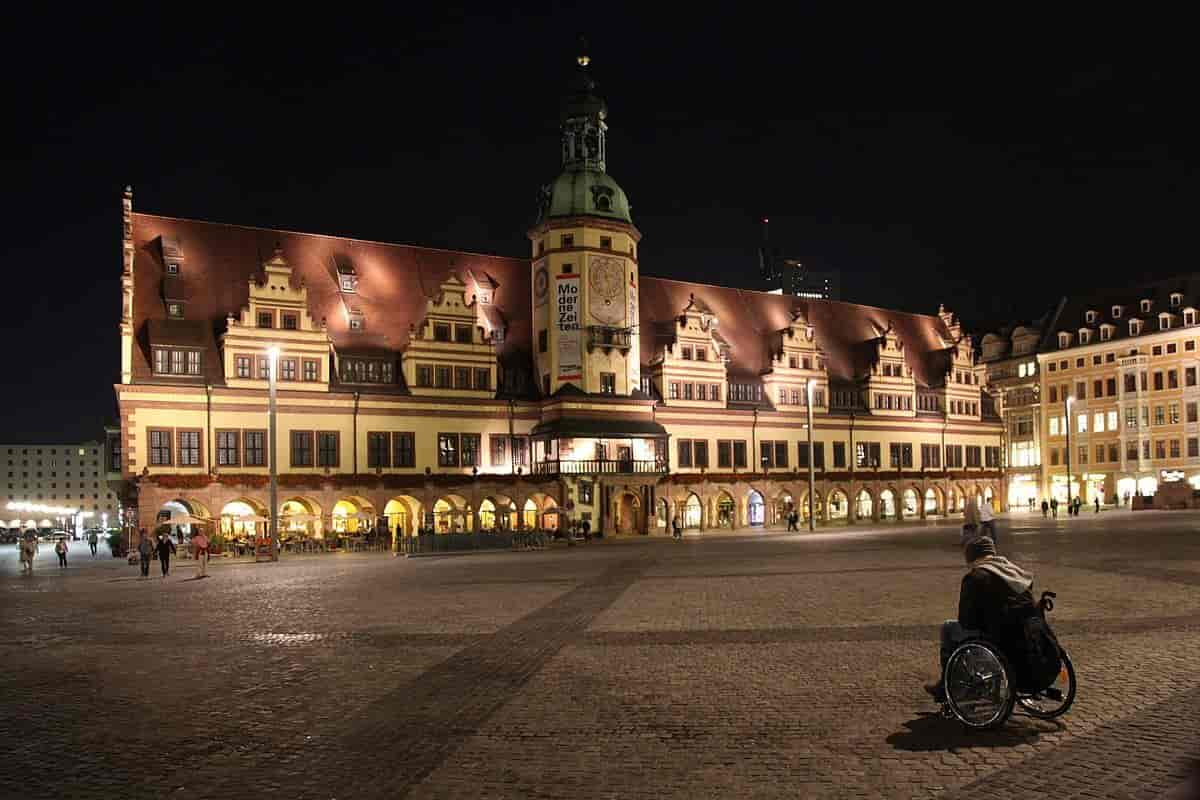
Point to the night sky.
(989, 163)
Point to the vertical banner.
(570, 361)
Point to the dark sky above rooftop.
(991, 163)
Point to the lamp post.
(1067, 402)
(273, 364)
(812, 479)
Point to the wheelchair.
(981, 686)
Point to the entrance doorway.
(627, 514)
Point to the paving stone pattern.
(772, 666)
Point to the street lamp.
(273, 364)
(812, 480)
(1068, 402)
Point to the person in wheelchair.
(992, 587)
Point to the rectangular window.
(447, 449)
(766, 454)
(162, 361)
(463, 334)
(543, 341)
(1172, 379)
(1160, 448)
(443, 377)
(266, 319)
(405, 450)
(227, 449)
(701, 354)
(254, 448)
(499, 451)
(686, 353)
(714, 392)
(567, 240)
(673, 391)
(1146, 449)
(189, 448)
(302, 448)
(839, 455)
(1081, 422)
(1053, 394)
(973, 454)
(701, 391)
(608, 383)
(287, 369)
(1131, 451)
(441, 331)
(606, 243)
(177, 357)
(378, 450)
(687, 391)
(781, 454)
(1111, 384)
(470, 450)
(700, 453)
(683, 453)
(483, 379)
(586, 493)
(1189, 376)
(311, 370)
(1174, 448)
(424, 375)
(724, 454)
(1083, 454)
(1158, 381)
(931, 456)
(1112, 421)
(327, 449)
(1053, 456)
(1159, 417)
(193, 362)
(520, 451)
(289, 322)
(242, 366)
(1173, 413)
(819, 455)
(739, 455)
(160, 448)
(1193, 447)
(462, 377)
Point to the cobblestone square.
(766, 665)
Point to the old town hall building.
(459, 391)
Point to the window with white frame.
(1085, 336)
(1145, 306)
(1176, 299)
(1116, 312)
(1064, 340)
(1164, 322)
(1135, 327)
(1091, 317)
(1106, 332)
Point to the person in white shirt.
(987, 521)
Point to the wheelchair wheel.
(979, 686)
(1057, 698)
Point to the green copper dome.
(584, 192)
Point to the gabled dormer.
(347, 276)
(276, 315)
(1085, 336)
(450, 353)
(1166, 321)
(890, 386)
(1091, 317)
(1118, 311)
(796, 359)
(1107, 331)
(689, 369)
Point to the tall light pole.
(812, 479)
(1067, 402)
(273, 364)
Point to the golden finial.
(583, 59)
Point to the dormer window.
(175, 310)
(1189, 317)
(1135, 327)
(1116, 312)
(1145, 306)
(349, 284)
(356, 321)
(1091, 317)
(1064, 340)
(172, 267)
(1106, 332)
(347, 277)
(1084, 335)
(1164, 322)
(1176, 300)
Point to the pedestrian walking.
(200, 553)
(165, 548)
(1045, 509)
(1078, 503)
(60, 549)
(1054, 507)
(587, 530)
(987, 522)
(676, 528)
(29, 551)
(1097, 504)
(146, 552)
(93, 539)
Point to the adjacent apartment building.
(459, 391)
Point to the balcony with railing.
(599, 466)
(607, 336)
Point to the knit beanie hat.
(979, 547)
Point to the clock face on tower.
(540, 284)
(606, 282)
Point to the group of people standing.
(162, 547)
(1051, 507)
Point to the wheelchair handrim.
(978, 686)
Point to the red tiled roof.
(394, 281)
(747, 320)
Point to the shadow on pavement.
(931, 731)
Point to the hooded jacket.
(992, 589)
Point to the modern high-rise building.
(806, 278)
(459, 391)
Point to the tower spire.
(583, 118)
